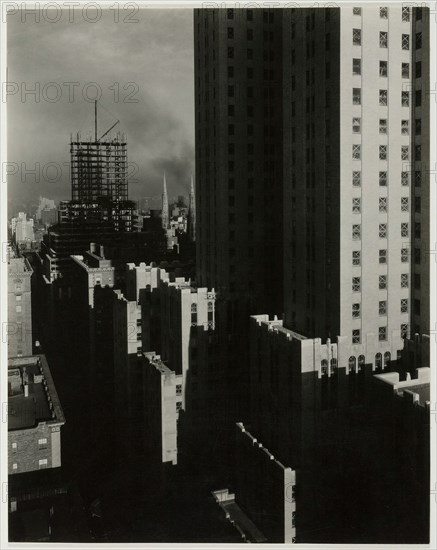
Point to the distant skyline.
(155, 54)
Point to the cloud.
(155, 54)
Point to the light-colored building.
(22, 228)
(162, 403)
(18, 330)
(35, 416)
(353, 167)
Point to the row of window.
(383, 150)
(42, 464)
(383, 231)
(383, 13)
(383, 175)
(356, 256)
(42, 444)
(382, 335)
(383, 98)
(405, 126)
(383, 68)
(383, 39)
(383, 204)
(382, 308)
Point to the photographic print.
(219, 252)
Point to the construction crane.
(95, 124)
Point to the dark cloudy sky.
(155, 53)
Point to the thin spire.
(165, 219)
(192, 213)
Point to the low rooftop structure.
(31, 394)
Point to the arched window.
(387, 359)
(361, 362)
(324, 367)
(352, 363)
(378, 360)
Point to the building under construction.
(99, 180)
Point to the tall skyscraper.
(238, 82)
(354, 170)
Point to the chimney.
(26, 390)
(93, 248)
(102, 251)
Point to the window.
(356, 66)
(382, 334)
(383, 152)
(404, 255)
(382, 282)
(194, 314)
(382, 230)
(383, 179)
(417, 152)
(404, 330)
(383, 68)
(356, 96)
(18, 297)
(18, 309)
(417, 204)
(352, 363)
(383, 39)
(356, 257)
(405, 152)
(355, 11)
(418, 98)
(249, 34)
(15, 466)
(405, 14)
(418, 69)
(383, 256)
(405, 178)
(14, 446)
(404, 280)
(404, 229)
(356, 311)
(417, 255)
(405, 204)
(356, 205)
(230, 52)
(356, 232)
(405, 99)
(418, 126)
(178, 389)
(230, 32)
(42, 463)
(404, 305)
(42, 443)
(356, 37)
(356, 125)
(383, 13)
(356, 336)
(417, 230)
(356, 152)
(178, 406)
(356, 179)
(418, 40)
(383, 204)
(405, 70)
(356, 284)
(382, 125)
(405, 41)
(405, 127)
(382, 307)
(230, 14)
(383, 97)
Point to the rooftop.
(32, 396)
